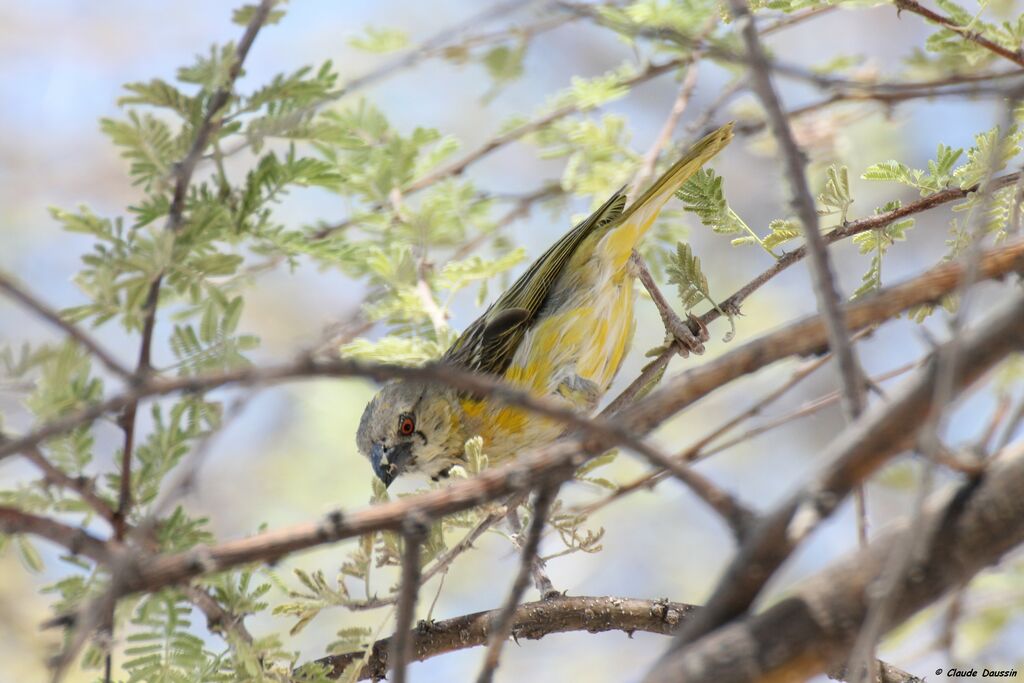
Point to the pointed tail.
(639, 216)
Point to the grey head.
(411, 427)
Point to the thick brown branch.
(969, 527)
(535, 620)
(530, 621)
(863, 447)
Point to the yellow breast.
(571, 355)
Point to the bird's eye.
(406, 425)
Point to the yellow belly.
(571, 354)
(574, 349)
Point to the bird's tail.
(638, 217)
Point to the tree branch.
(860, 449)
(218, 619)
(83, 486)
(52, 316)
(75, 540)
(913, 6)
(501, 627)
(530, 621)
(822, 272)
(657, 366)
(970, 526)
(401, 646)
(530, 469)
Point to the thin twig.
(83, 486)
(1014, 56)
(521, 208)
(75, 540)
(700, 450)
(821, 268)
(44, 311)
(679, 333)
(501, 626)
(795, 18)
(442, 564)
(401, 646)
(1010, 428)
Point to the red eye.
(406, 426)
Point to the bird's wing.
(629, 229)
(489, 343)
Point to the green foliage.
(572, 530)
(585, 473)
(244, 14)
(991, 152)
(986, 212)
(504, 64)
(317, 594)
(380, 40)
(685, 272)
(952, 44)
(422, 240)
(147, 142)
(704, 195)
(781, 231)
(836, 197)
(597, 154)
(689, 19)
(161, 649)
(938, 176)
(877, 242)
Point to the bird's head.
(411, 427)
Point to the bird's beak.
(388, 463)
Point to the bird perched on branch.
(561, 331)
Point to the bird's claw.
(687, 341)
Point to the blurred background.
(289, 456)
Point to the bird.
(561, 331)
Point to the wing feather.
(489, 343)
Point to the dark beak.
(388, 463)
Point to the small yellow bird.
(561, 331)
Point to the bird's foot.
(682, 333)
